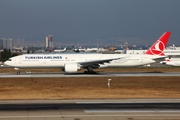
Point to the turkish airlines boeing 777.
(71, 63)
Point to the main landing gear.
(89, 70)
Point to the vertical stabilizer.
(158, 47)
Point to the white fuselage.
(59, 60)
(172, 62)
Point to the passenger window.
(9, 59)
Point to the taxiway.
(103, 74)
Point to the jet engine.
(71, 67)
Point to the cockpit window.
(9, 59)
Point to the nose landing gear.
(18, 71)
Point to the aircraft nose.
(6, 63)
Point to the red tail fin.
(158, 47)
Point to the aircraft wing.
(96, 62)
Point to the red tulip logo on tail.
(157, 48)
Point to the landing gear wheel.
(89, 72)
(92, 72)
(18, 72)
(85, 72)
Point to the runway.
(102, 74)
(107, 109)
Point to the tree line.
(6, 54)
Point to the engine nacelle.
(71, 67)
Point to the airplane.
(63, 50)
(71, 63)
(171, 62)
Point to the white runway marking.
(99, 102)
(131, 111)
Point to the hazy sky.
(88, 20)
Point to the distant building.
(49, 43)
(6, 43)
(19, 42)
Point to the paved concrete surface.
(103, 74)
(108, 109)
